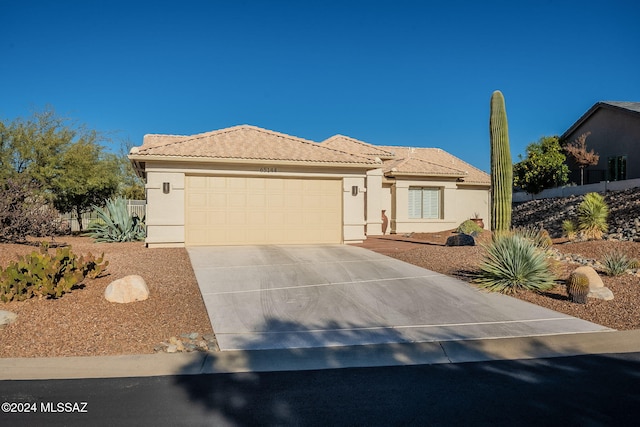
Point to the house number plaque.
(268, 170)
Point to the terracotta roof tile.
(246, 142)
(352, 145)
(432, 161)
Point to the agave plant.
(514, 262)
(616, 263)
(116, 224)
(592, 216)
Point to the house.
(615, 135)
(248, 185)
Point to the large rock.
(461, 240)
(594, 280)
(6, 318)
(601, 293)
(596, 286)
(128, 289)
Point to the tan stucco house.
(248, 185)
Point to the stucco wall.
(613, 133)
(458, 203)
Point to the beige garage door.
(255, 211)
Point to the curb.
(443, 352)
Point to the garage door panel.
(248, 210)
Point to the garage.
(254, 210)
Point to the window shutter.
(415, 203)
(431, 203)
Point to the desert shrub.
(25, 212)
(616, 263)
(116, 224)
(569, 229)
(469, 227)
(44, 275)
(592, 216)
(537, 235)
(513, 262)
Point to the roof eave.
(421, 174)
(233, 160)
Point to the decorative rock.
(594, 280)
(461, 240)
(601, 293)
(128, 289)
(6, 318)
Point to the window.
(424, 202)
(617, 168)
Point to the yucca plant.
(592, 216)
(616, 263)
(513, 262)
(116, 224)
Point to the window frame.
(413, 207)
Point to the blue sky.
(416, 73)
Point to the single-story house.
(248, 185)
(614, 134)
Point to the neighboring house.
(615, 136)
(247, 185)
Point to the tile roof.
(246, 143)
(352, 145)
(431, 162)
(253, 143)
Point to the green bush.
(44, 275)
(616, 263)
(115, 224)
(513, 262)
(469, 227)
(592, 216)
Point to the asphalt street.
(587, 390)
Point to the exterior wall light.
(354, 190)
(165, 187)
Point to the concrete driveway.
(267, 297)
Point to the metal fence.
(138, 207)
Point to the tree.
(90, 178)
(544, 167)
(63, 161)
(131, 185)
(578, 151)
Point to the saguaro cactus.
(501, 167)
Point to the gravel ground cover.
(622, 313)
(83, 323)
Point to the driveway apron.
(268, 297)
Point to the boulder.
(128, 289)
(596, 286)
(601, 293)
(461, 240)
(6, 318)
(592, 275)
